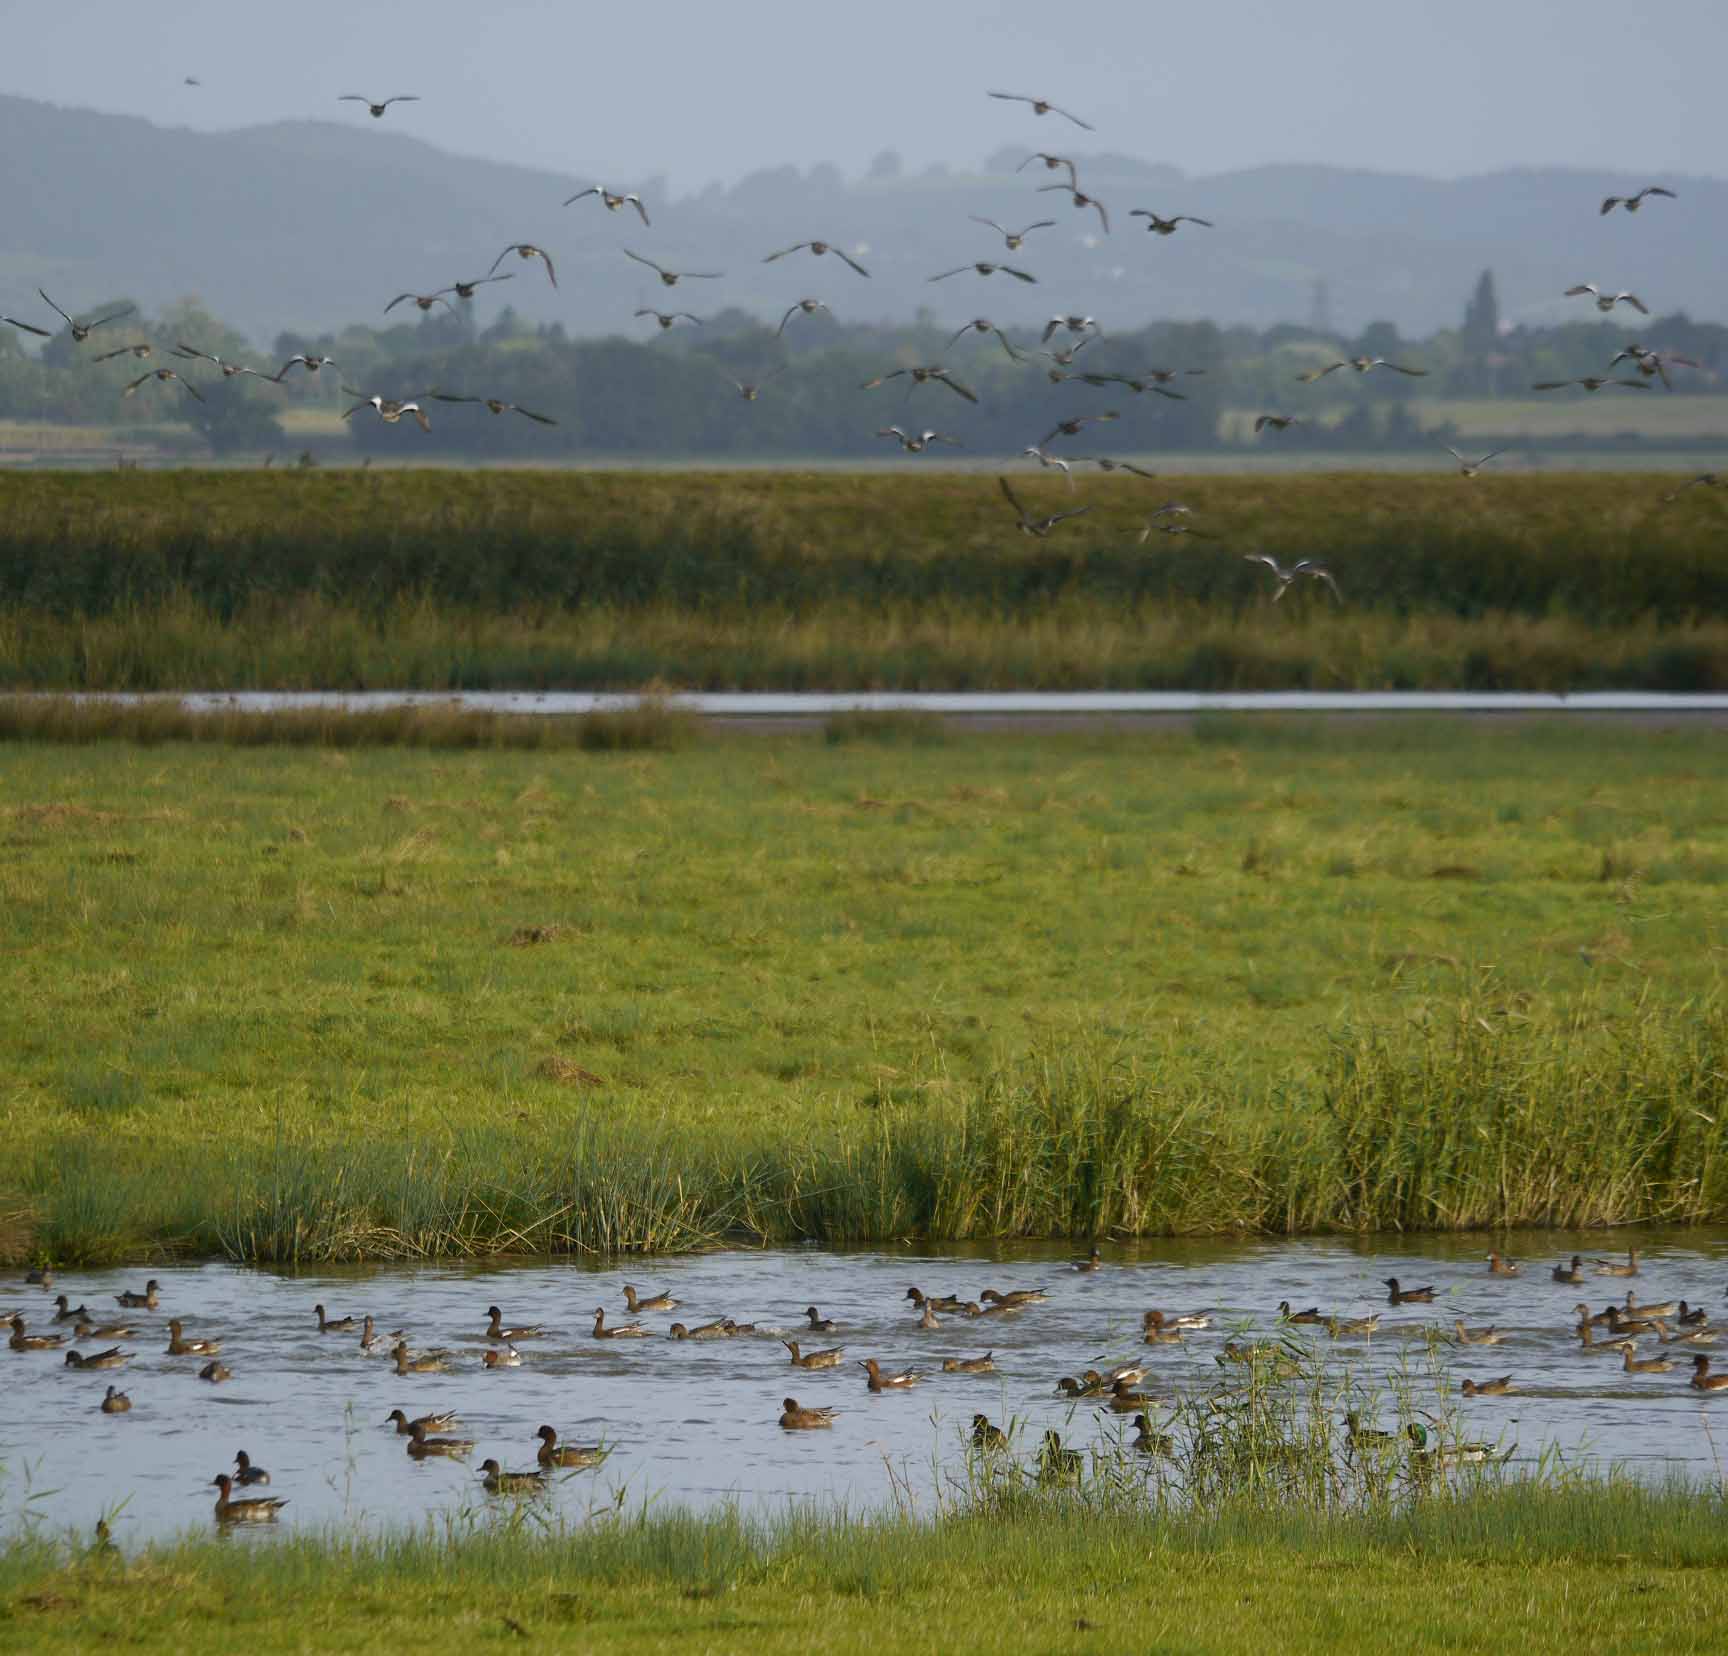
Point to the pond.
(695, 1423)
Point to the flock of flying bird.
(1170, 519)
(428, 1435)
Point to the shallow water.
(695, 1423)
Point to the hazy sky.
(699, 90)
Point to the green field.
(334, 580)
(389, 1001)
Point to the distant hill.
(311, 225)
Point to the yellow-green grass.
(1600, 1569)
(390, 1001)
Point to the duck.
(1692, 1316)
(1652, 1308)
(553, 1453)
(257, 1509)
(1573, 1273)
(245, 1473)
(1691, 1336)
(970, 1365)
(940, 1302)
(656, 1302)
(801, 307)
(509, 1357)
(1091, 1384)
(40, 1276)
(1343, 1327)
(1311, 1315)
(986, 1437)
(1125, 1400)
(1476, 1336)
(879, 1381)
(180, 1347)
(818, 249)
(441, 1422)
(215, 1371)
(465, 290)
(65, 1311)
(818, 1323)
(376, 108)
(1590, 382)
(671, 278)
(733, 1329)
(611, 200)
(334, 1325)
(1633, 1364)
(1406, 1296)
(115, 1401)
(22, 1341)
(191, 353)
(1148, 1442)
(1448, 1454)
(972, 1309)
(375, 1344)
(622, 1331)
(527, 250)
(1600, 1320)
(103, 1331)
(1133, 1373)
(421, 1443)
(1501, 1387)
(1158, 226)
(497, 1481)
(723, 1329)
(1499, 1265)
(432, 1363)
(927, 1317)
(795, 1418)
(1358, 1435)
(1056, 1463)
(112, 1358)
(81, 331)
(1614, 1267)
(146, 1301)
(1702, 1379)
(495, 1329)
(1153, 1331)
(1015, 1296)
(814, 1359)
(1043, 106)
(1621, 1324)
(1177, 1319)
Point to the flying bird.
(1105, 464)
(1050, 462)
(493, 405)
(667, 318)
(465, 290)
(1038, 528)
(1653, 364)
(310, 363)
(1469, 468)
(1362, 365)
(1278, 422)
(1074, 325)
(921, 375)
(1708, 480)
(424, 300)
(1015, 239)
(229, 369)
(1175, 527)
(1633, 202)
(818, 248)
(1607, 301)
(1051, 163)
(1081, 200)
(985, 268)
(983, 325)
(1043, 106)
(671, 278)
(1287, 578)
(377, 109)
(527, 250)
(1138, 386)
(749, 390)
(139, 351)
(389, 409)
(28, 327)
(917, 443)
(81, 331)
(166, 376)
(611, 200)
(1073, 427)
(808, 307)
(1591, 382)
(1167, 226)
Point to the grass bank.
(324, 1003)
(597, 580)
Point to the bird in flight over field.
(1362, 365)
(1287, 578)
(1038, 528)
(1469, 468)
(494, 405)
(167, 376)
(81, 331)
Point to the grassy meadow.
(432, 580)
(335, 1002)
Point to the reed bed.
(614, 580)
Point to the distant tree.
(886, 165)
(1481, 331)
(233, 418)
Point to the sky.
(698, 91)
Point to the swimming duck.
(1311, 1315)
(927, 1318)
(1702, 1379)
(1498, 1265)
(180, 1347)
(112, 1358)
(1600, 1320)
(1573, 1273)
(941, 1302)
(1178, 1319)
(499, 1482)
(509, 1357)
(793, 1418)
(376, 1344)
(421, 1443)
(622, 1331)
(1148, 1442)
(1343, 1327)
(987, 1437)
(1489, 1388)
(115, 1402)
(429, 1364)
(1613, 1267)
(1448, 1454)
(66, 1312)
(21, 1341)
(145, 1301)
(41, 1276)
(733, 1329)
(258, 1509)
(1153, 1332)
(103, 1331)
(495, 1329)
(720, 1330)
(215, 1372)
(813, 1359)
(1641, 1365)
(973, 1309)
(245, 1473)
(1692, 1316)
(879, 1381)
(1055, 1463)
(554, 1453)
(1476, 1336)
(1091, 1384)
(1125, 1400)
(659, 1302)
(1362, 1436)
(818, 1323)
(1015, 1296)
(334, 1325)
(1406, 1296)
(441, 1422)
(1652, 1308)
(1690, 1336)
(970, 1365)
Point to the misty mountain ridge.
(310, 225)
